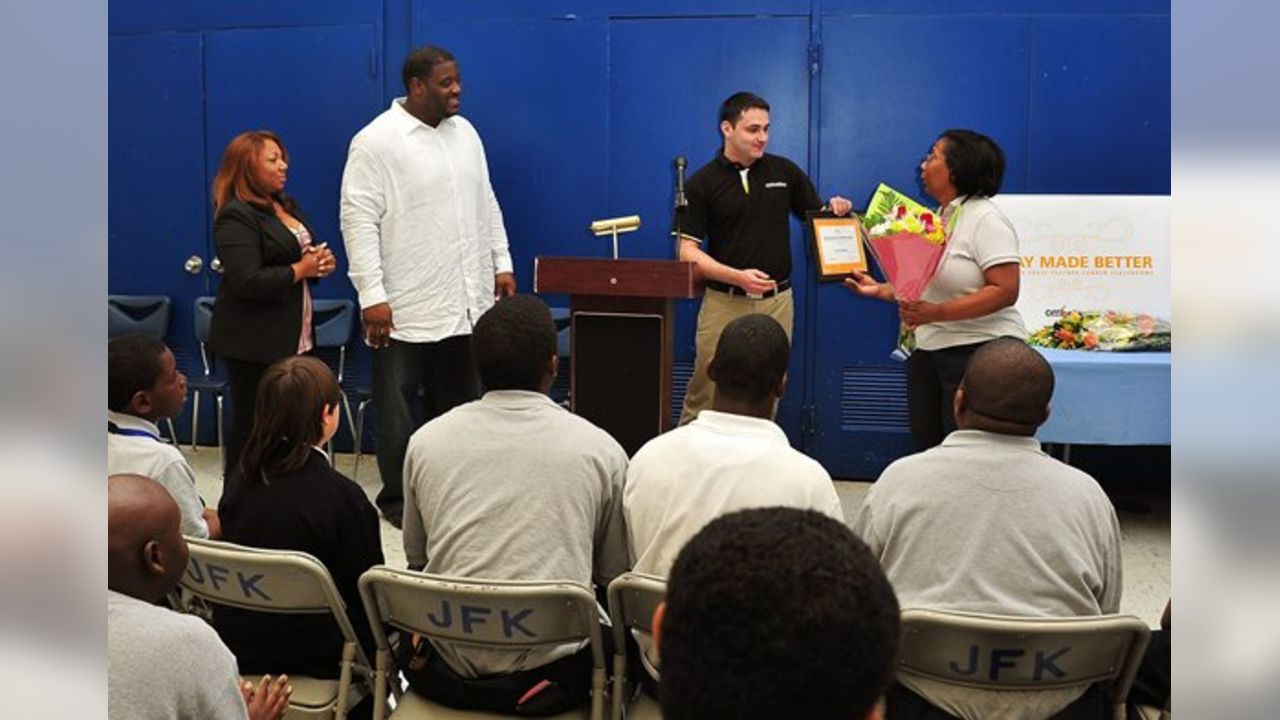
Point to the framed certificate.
(837, 245)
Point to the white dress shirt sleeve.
(362, 208)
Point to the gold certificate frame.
(837, 245)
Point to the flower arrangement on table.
(908, 242)
(1105, 330)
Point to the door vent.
(874, 398)
(681, 374)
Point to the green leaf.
(886, 200)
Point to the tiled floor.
(1145, 534)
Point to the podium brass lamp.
(613, 226)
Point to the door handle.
(193, 265)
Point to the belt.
(735, 290)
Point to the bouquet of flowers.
(908, 242)
(1105, 330)
(906, 239)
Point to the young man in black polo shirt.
(736, 228)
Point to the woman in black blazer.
(286, 496)
(263, 311)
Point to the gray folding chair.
(633, 597)
(140, 315)
(554, 613)
(290, 583)
(995, 652)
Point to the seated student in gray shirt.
(161, 664)
(512, 487)
(988, 523)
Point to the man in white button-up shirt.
(427, 252)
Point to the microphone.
(681, 200)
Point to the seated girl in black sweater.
(286, 496)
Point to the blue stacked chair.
(334, 323)
(210, 381)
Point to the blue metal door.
(157, 192)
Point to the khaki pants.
(718, 310)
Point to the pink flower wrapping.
(909, 262)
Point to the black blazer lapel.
(275, 232)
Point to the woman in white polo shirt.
(971, 300)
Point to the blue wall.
(583, 105)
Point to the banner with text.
(1091, 252)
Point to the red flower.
(902, 211)
(1065, 337)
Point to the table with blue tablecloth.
(1108, 398)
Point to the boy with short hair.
(776, 613)
(145, 386)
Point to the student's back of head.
(143, 378)
(1006, 389)
(297, 409)
(776, 613)
(514, 345)
(146, 553)
(750, 364)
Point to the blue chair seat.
(203, 384)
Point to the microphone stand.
(681, 202)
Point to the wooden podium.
(621, 338)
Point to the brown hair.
(287, 422)
(236, 179)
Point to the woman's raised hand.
(865, 285)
